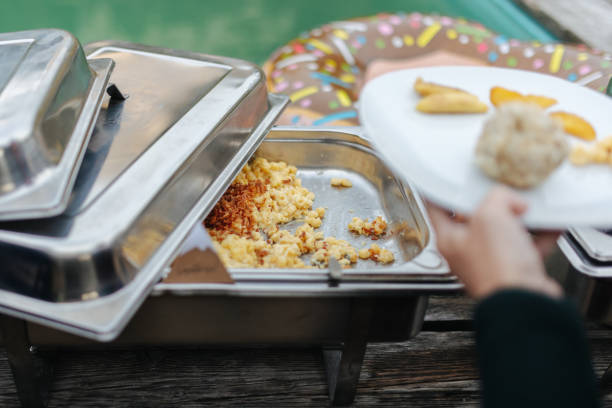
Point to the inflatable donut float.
(322, 71)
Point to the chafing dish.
(585, 271)
(50, 96)
(155, 166)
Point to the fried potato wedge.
(429, 88)
(451, 102)
(542, 101)
(575, 125)
(500, 95)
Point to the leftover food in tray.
(246, 225)
(341, 182)
(377, 254)
(374, 229)
(520, 145)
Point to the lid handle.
(115, 93)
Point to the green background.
(246, 29)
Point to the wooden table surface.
(435, 369)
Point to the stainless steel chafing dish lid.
(49, 99)
(156, 164)
(596, 244)
(580, 255)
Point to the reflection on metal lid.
(156, 164)
(49, 100)
(596, 244)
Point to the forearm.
(532, 352)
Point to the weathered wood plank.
(586, 21)
(436, 369)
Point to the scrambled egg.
(244, 225)
(341, 182)
(377, 254)
(373, 229)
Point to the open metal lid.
(155, 165)
(50, 96)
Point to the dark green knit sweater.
(532, 352)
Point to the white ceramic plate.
(436, 152)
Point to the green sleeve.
(532, 352)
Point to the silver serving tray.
(50, 96)
(155, 166)
(320, 154)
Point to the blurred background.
(246, 29)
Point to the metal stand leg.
(605, 383)
(343, 366)
(31, 373)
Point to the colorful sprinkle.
(380, 43)
(493, 56)
(292, 67)
(397, 42)
(451, 34)
(538, 63)
(303, 93)
(320, 45)
(282, 86)
(582, 56)
(335, 116)
(567, 65)
(528, 52)
(408, 40)
(536, 44)
(312, 66)
(572, 77)
(343, 35)
(482, 48)
(605, 64)
(584, 70)
(361, 39)
(343, 97)
(446, 21)
(514, 42)
(395, 20)
(555, 59)
(345, 67)
(298, 85)
(504, 48)
(464, 39)
(298, 48)
(327, 88)
(348, 78)
(473, 31)
(295, 119)
(415, 24)
(549, 48)
(318, 53)
(385, 29)
(428, 34)
(512, 61)
(328, 79)
(275, 73)
(333, 104)
(499, 40)
(428, 21)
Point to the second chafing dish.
(584, 269)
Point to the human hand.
(492, 250)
